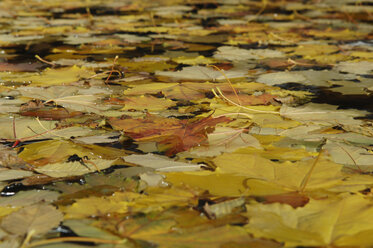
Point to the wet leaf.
(287, 175)
(75, 168)
(27, 198)
(6, 174)
(160, 163)
(153, 123)
(35, 219)
(318, 223)
(200, 73)
(175, 135)
(51, 76)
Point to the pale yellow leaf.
(37, 219)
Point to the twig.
(27, 238)
(229, 82)
(14, 128)
(42, 126)
(44, 61)
(112, 69)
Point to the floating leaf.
(160, 163)
(176, 135)
(288, 175)
(319, 223)
(27, 198)
(6, 174)
(68, 169)
(50, 76)
(35, 219)
(200, 73)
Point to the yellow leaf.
(49, 76)
(158, 199)
(278, 153)
(7, 210)
(150, 103)
(320, 223)
(99, 206)
(216, 184)
(287, 175)
(212, 237)
(50, 151)
(308, 51)
(225, 139)
(25, 127)
(39, 219)
(54, 151)
(76, 168)
(193, 60)
(145, 228)
(345, 34)
(147, 63)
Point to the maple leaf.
(319, 223)
(36, 218)
(278, 70)
(173, 134)
(51, 113)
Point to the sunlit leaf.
(74, 168)
(319, 223)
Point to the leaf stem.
(307, 177)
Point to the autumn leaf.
(160, 163)
(319, 223)
(74, 168)
(51, 113)
(287, 175)
(160, 232)
(176, 135)
(35, 219)
(95, 206)
(216, 184)
(186, 124)
(52, 76)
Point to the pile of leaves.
(209, 123)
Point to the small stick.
(229, 82)
(112, 69)
(44, 61)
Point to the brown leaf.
(293, 199)
(175, 135)
(243, 99)
(25, 67)
(40, 179)
(52, 113)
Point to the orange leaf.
(52, 114)
(176, 135)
